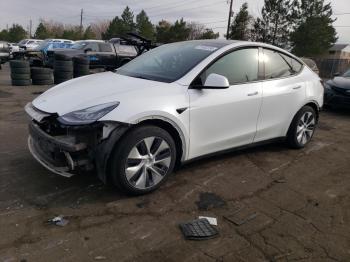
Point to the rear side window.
(293, 63)
(93, 47)
(276, 65)
(240, 66)
(104, 47)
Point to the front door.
(224, 118)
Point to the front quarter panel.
(156, 103)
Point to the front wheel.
(302, 128)
(142, 160)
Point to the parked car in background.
(38, 56)
(172, 104)
(29, 44)
(100, 53)
(337, 90)
(13, 47)
(311, 64)
(4, 52)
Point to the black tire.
(60, 80)
(81, 67)
(119, 157)
(21, 82)
(42, 82)
(81, 60)
(292, 135)
(63, 75)
(63, 63)
(20, 70)
(62, 57)
(20, 76)
(82, 71)
(19, 63)
(63, 69)
(42, 77)
(40, 70)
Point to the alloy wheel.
(148, 162)
(305, 128)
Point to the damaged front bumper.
(70, 150)
(60, 154)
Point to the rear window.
(104, 47)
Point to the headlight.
(87, 115)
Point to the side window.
(93, 47)
(105, 47)
(240, 66)
(294, 64)
(276, 65)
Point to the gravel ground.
(293, 204)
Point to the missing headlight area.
(68, 150)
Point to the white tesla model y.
(172, 104)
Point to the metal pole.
(81, 20)
(229, 20)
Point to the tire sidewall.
(292, 133)
(121, 152)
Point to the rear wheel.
(302, 128)
(143, 160)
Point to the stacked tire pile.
(20, 73)
(81, 66)
(41, 76)
(63, 68)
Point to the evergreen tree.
(4, 34)
(89, 34)
(42, 32)
(276, 23)
(179, 31)
(120, 26)
(209, 34)
(144, 26)
(314, 33)
(163, 31)
(240, 27)
(16, 33)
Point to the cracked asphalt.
(272, 203)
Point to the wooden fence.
(328, 67)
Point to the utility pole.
(229, 20)
(81, 20)
(30, 28)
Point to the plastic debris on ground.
(199, 229)
(212, 220)
(58, 221)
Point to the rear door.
(92, 54)
(283, 94)
(107, 55)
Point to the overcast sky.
(213, 13)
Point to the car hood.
(87, 91)
(341, 82)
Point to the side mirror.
(87, 50)
(214, 81)
(336, 74)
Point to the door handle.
(253, 94)
(297, 87)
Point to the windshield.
(169, 62)
(80, 45)
(347, 73)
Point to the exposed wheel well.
(172, 131)
(315, 107)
